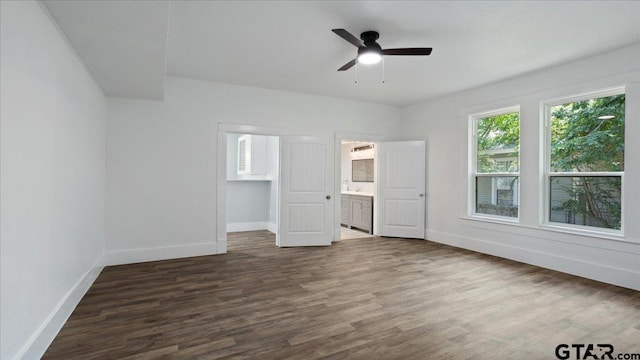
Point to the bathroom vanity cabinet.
(357, 211)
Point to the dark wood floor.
(371, 298)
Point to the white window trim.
(473, 168)
(546, 174)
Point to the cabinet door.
(356, 212)
(344, 210)
(244, 155)
(252, 155)
(367, 218)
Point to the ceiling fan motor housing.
(370, 45)
(369, 38)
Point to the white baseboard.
(589, 270)
(119, 257)
(47, 331)
(248, 226)
(272, 227)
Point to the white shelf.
(359, 193)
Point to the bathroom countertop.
(360, 193)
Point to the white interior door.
(401, 190)
(306, 204)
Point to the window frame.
(546, 174)
(473, 173)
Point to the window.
(585, 160)
(495, 163)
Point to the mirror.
(362, 170)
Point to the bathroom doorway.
(398, 201)
(357, 189)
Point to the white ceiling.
(288, 45)
(123, 43)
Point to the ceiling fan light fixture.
(369, 57)
(370, 52)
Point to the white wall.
(443, 123)
(161, 158)
(248, 205)
(346, 169)
(52, 179)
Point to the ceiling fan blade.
(348, 65)
(407, 51)
(347, 36)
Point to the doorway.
(252, 178)
(303, 209)
(399, 187)
(357, 189)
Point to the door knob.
(421, 195)
(328, 197)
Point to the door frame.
(337, 191)
(221, 169)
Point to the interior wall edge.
(48, 330)
(574, 266)
(221, 244)
(53, 179)
(43, 6)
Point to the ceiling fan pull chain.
(383, 69)
(356, 80)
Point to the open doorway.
(398, 197)
(252, 178)
(357, 189)
(305, 204)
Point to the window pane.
(586, 200)
(497, 195)
(588, 135)
(498, 141)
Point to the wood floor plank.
(361, 298)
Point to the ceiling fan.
(369, 51)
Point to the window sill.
(241, 180)
(552, 228)
(618, 235)
(493, 219)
